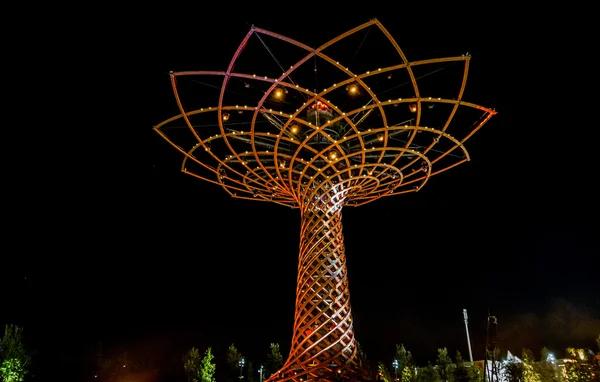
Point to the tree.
(513, 371)
(408, 373)
(233, 359)
(362, 356)
(233, 356)
(546, 368)
(14, 358)
(364, 361)
(580, 369)
(207, 367)
(545, 354)
(192, 365)
(444, 363)
(199, 369)
(250, 371)
(275, 359)
(529, 373)
(427, 374)
(462, 372)
(383, 372)
(402, 356)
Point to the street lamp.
(467, 329)
(395, 366)
(260, 372)
(241, 364)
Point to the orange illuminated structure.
(318, 150)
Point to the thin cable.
(271, 53)
(237, 93)
(277, 61)
(360, 45)
(431, 149)
(418, 78)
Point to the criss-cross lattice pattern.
(323, 342)
(319, 149)
(270, 150)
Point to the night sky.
(140, 255)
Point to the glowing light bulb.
(353, 89)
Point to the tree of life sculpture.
(346, 144)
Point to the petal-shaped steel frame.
(259, 182)
(323, 345)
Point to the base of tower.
(323, 375)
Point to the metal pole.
(468, 339)
(487, 344)
(242, 361)
(260, 371)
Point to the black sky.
(139, 251)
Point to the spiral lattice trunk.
(323, 344)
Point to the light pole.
(395, 366)
(468, 339)
(260, 372)
(241, 364)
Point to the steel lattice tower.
(317, 155)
